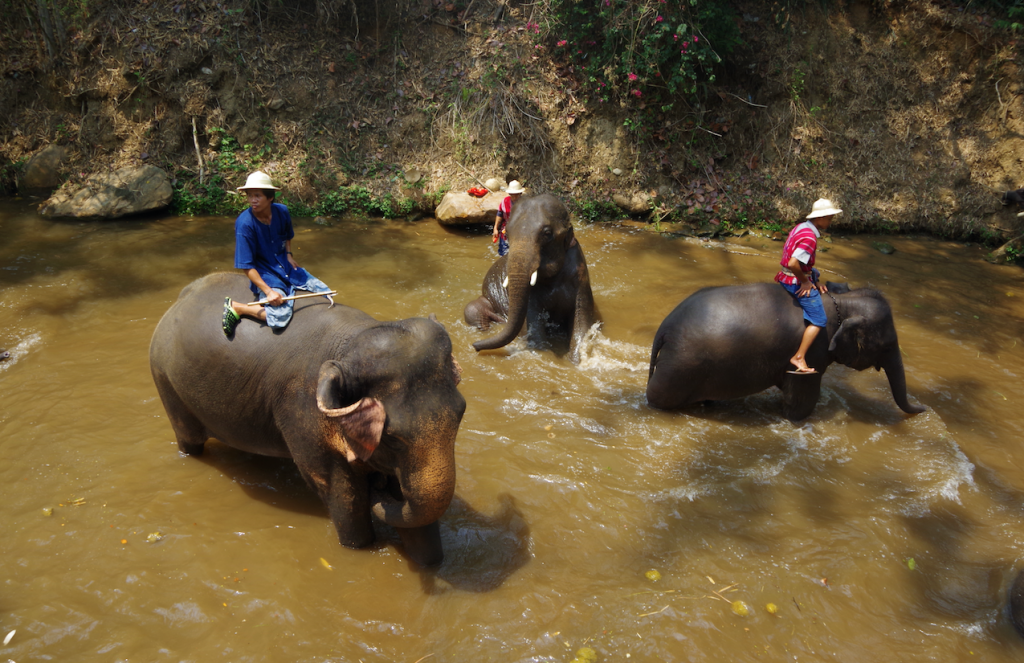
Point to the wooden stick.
(311, 294)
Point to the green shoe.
(230, 319)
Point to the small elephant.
(544, 273)
(733, 341)
(368, 410)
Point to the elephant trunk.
(521, 275)
(427, 487)
(893, 367)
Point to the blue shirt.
(262, 247)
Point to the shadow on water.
(481, 551)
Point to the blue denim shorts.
(814, 312)
(280, 316)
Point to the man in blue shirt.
(263, 237)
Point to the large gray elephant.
(544, 274)
(368, 410)
(733, 341)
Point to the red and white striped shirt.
(801, 244)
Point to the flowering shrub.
(643, 49)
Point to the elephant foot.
(191, 448)
(422, 544)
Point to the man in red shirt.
(799, 277)
(514, 190)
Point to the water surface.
(570, 488)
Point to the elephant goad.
(733, 341)
(544, 274)
(368, 410)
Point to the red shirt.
(801, 244)
(504, 213)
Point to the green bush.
(641, 50)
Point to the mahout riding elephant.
(544, 274)
(733, 341)
(367, 409)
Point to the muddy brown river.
(859, 534)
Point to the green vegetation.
(641, 51)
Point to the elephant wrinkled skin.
(728, 342)
(544, 274)
(368, 410)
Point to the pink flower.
(695, 40)
(637, 93)
(659, 19)
(562, 43)
(632, 76)
(675, 37)
(686, 44)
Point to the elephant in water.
(544, 274)
(733, 341)
(368, 410)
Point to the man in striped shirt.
(799, 277)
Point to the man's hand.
(805, 288)
(274, 298)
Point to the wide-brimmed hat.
(258, 180)
(823, 207)
(515, 187)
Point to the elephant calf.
(368, 410)
(728, 342)
(544, 274)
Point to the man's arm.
(274, 298)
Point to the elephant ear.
(354, 429)
(846, 342)
(837, 288)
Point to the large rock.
(43, 169)
(130, 190)
(458, 208)
(637, 204)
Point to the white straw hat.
(515, 187)
(823, 207)
(258, 180)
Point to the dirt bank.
(908, 114)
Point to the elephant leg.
(189, 431)
(480, 314)
(347, 497)
(800, 395)
(422, 544)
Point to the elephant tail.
(659, 340)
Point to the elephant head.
(398, 418)
(540, 238)
(866, 338)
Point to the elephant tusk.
(533, 279)
(504, 284)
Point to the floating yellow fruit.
(47, 510)
(653, 575)
(326, 564)
(771, 608)
(740, 608)
(586, 655)
(154, 537)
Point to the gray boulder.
(130, 190)
(43, 169)
(458, 208)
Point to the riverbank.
(907, 114)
